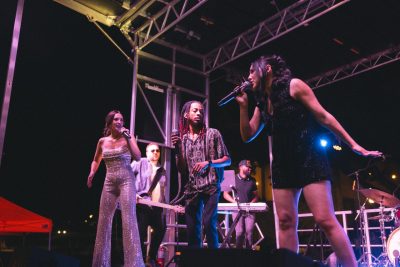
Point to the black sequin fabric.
(298, 159)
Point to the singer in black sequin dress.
(298, 158)
(117, 148)
(289, 110)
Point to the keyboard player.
(245, 191)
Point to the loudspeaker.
(219, 257)
(242, 258)
(286, 258)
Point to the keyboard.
(254, 207)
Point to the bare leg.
(319, 199)
(286, 202)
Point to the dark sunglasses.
(155, 150)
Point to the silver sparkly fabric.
(119, 185)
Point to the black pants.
(205, 206)
(151, 216)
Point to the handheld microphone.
(244, 87)
(175, 133)
(126, 134)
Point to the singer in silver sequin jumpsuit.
(117, 149)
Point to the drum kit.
(391, 246)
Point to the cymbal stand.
(383, 259)
(366, 256)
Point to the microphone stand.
(395, 190)
(227, 239)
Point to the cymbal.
(381, 197)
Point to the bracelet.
(210, 163)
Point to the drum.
(396, 215)
(393, 246)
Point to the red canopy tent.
(16, 219)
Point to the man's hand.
(176, 140)
(179, 209)
(200, 167)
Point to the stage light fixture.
(323, 142)
(337, 147)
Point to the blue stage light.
(323, 142)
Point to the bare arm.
(221, 162)
(96, 162)
(301, 92)
(255, 198)
(132, 146)
(249, 129)
(218, 163)
(228, 197)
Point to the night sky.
(68, 76)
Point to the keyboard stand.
(220, 231)
(227, 239)
(226, 242)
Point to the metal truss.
(170, 14)
(10, 76)
(83, 8)
(290, 18)
(369, 63)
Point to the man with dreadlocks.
(200, 156)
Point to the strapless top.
(118, 162)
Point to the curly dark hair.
(109, 120)
(281, 74)
(183, 122)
